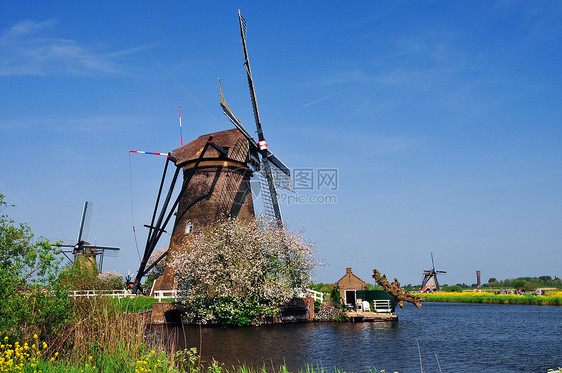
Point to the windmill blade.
(281, 178)
(271, 198)
(85, 221)
(432, 262)
(114, 248)
(267, 156)
(249, 76)
(110, 253)
(276, 162)
(282, 174)
(230, 115)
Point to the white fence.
(173, 294)
(382, 306)
(165, 294)
(316, 295)
(101, 293)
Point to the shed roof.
(348, 273)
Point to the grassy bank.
(34, 357)
(136, 304)
(551, 299)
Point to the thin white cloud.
(27, 49)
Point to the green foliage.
(31, 299)
(335, 297)
(409, 287)
(527, 283)
(369, 286)
(82, 275)
(454, 288)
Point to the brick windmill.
(216, 182)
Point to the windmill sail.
(267, 157)
(281, 173)
(230, 115)
(85, 221)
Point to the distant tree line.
(527, 283)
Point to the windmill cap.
(191, 151)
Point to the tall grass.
(100, 327)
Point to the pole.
(181, 135)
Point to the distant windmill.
(83, 247)
(429, 282)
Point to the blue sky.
(442, 120)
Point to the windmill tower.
(429, 281)
(216, 181)
(84, 251)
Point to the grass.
(136, 304)
(552, 298)
(33, 357)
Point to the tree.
(238, 271)
(21, 256)
(30, 299)
(111, 280)
(519, 283)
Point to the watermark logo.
(315, 179)
(307, 186)
(312, 186)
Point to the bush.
(111, 281)
(335, 297)
(453, 288)
(238, 271)
(82, 274)
(31, 299)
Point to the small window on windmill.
(188, 228)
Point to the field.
(553, 298)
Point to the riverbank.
(34, 356)
(550, 299)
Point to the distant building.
(349, 284)
(478, 282)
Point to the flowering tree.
(238, 271)
(111, 280)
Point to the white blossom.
(241, 270)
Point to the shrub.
(111, 280)
(453, 288)
(31, 299)
(237, 271)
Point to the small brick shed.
(348, 285)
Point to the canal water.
(452, 337)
